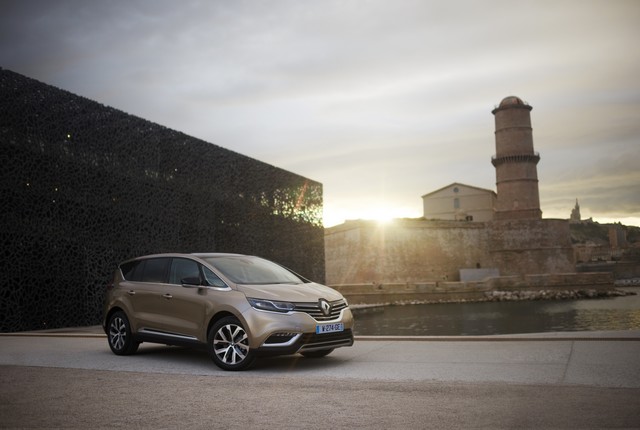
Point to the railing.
(515, 158)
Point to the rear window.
(128, 269)
(152, 270)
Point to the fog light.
(282, 337)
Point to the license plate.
(329, 328)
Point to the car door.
(184, 308)
(145, 292)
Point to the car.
(238, 307)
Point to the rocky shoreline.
(634, 282)
(506, 296)
(512, 296)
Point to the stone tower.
(575, 214)
(515, 162)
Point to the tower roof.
(511, 100)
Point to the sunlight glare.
(382, 214)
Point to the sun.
(382, 215)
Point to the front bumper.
(304, 342)
(273, 333)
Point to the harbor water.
(490, 318)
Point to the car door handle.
(167, 296)
(131, 293)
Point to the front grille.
(313, 309)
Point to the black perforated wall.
(85, 186)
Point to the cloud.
(380, 101)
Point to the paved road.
(574, 380)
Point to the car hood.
(309, 292)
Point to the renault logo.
(325, 306)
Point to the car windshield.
(250, 270)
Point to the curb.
(538, 337)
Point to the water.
(486, 318)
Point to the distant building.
(459, 202)
(596, 249)
(617, 237)
(575, 214)
(590, 252)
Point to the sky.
(381, 101)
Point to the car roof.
(217, 254)
(195, 254)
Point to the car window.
(253, 270)
(182, 268)
(129, 269)
(212, 278)
(155, 270)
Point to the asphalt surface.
(70, 379)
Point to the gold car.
(238, 306)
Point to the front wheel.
(228, 345)
(121, 340)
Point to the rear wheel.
(228, 345)
(121, 340)
(318, 353)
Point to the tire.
(318, 353)
(228, 345)
(119, 335)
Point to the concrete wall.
(458, 291)
(619, 269)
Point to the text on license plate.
(329, 328)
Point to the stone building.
(459, 202)
(515, 162)
(507, 237)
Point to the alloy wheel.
(231, 344)
(121, 340)
(118, 333)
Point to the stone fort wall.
(530, 246)
(403, 251)
(418, 251)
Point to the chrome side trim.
(165, 334)
(204, 287)
(337, 319)
(324, 345)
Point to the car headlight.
(271, 305)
